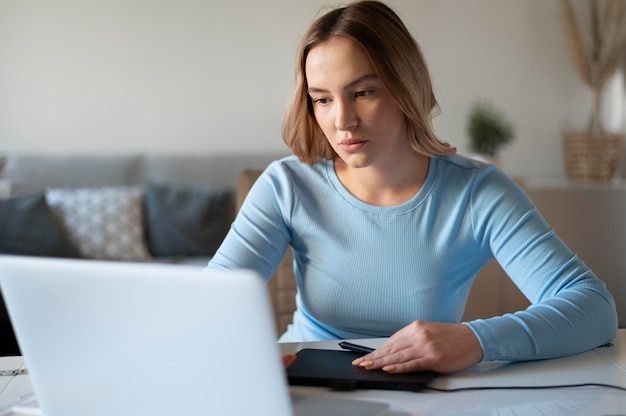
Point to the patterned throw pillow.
(104, 223)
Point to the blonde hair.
(398, 60)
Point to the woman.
(389, 226)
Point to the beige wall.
(191, 76)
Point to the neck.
(385, 186)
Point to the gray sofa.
(158, 208)
(92, 195)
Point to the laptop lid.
(112, 338)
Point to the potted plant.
(488, 130)
(597, 43)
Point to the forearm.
(572, 322)
(572, 310)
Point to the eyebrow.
(350, 85)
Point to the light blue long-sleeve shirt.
(367, 271)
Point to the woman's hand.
(288, 359)
(422, 346)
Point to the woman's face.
(352, 106)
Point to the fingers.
(392, 362)
(396, 367)
(288, 359)
(406, 367)
(395, 351)
(424, 346)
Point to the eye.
(320, 101)
(363, 93)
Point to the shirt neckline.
(407, 206)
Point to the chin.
(356, 160)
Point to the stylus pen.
(355, 347)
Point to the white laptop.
(113, 338)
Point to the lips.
(352, 145)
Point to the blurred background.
(198, 76)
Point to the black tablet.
(334, 369)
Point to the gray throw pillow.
(29, 227)
(187, 220)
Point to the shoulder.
(288, 179)
(460, 173)
(483, 183)
(472, 172)
(459, 166)
(288, 164)
(291, 172)
(291, 164)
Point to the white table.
(602, 365)
(13, 388)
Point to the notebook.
(104, 338)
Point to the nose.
(345, 117)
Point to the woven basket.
(592, 160)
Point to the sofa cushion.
(220, 170)
(187, 220)
(5, 188)
(35, 173)
(29, 227)
(104, 222)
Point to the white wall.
(200, 76)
